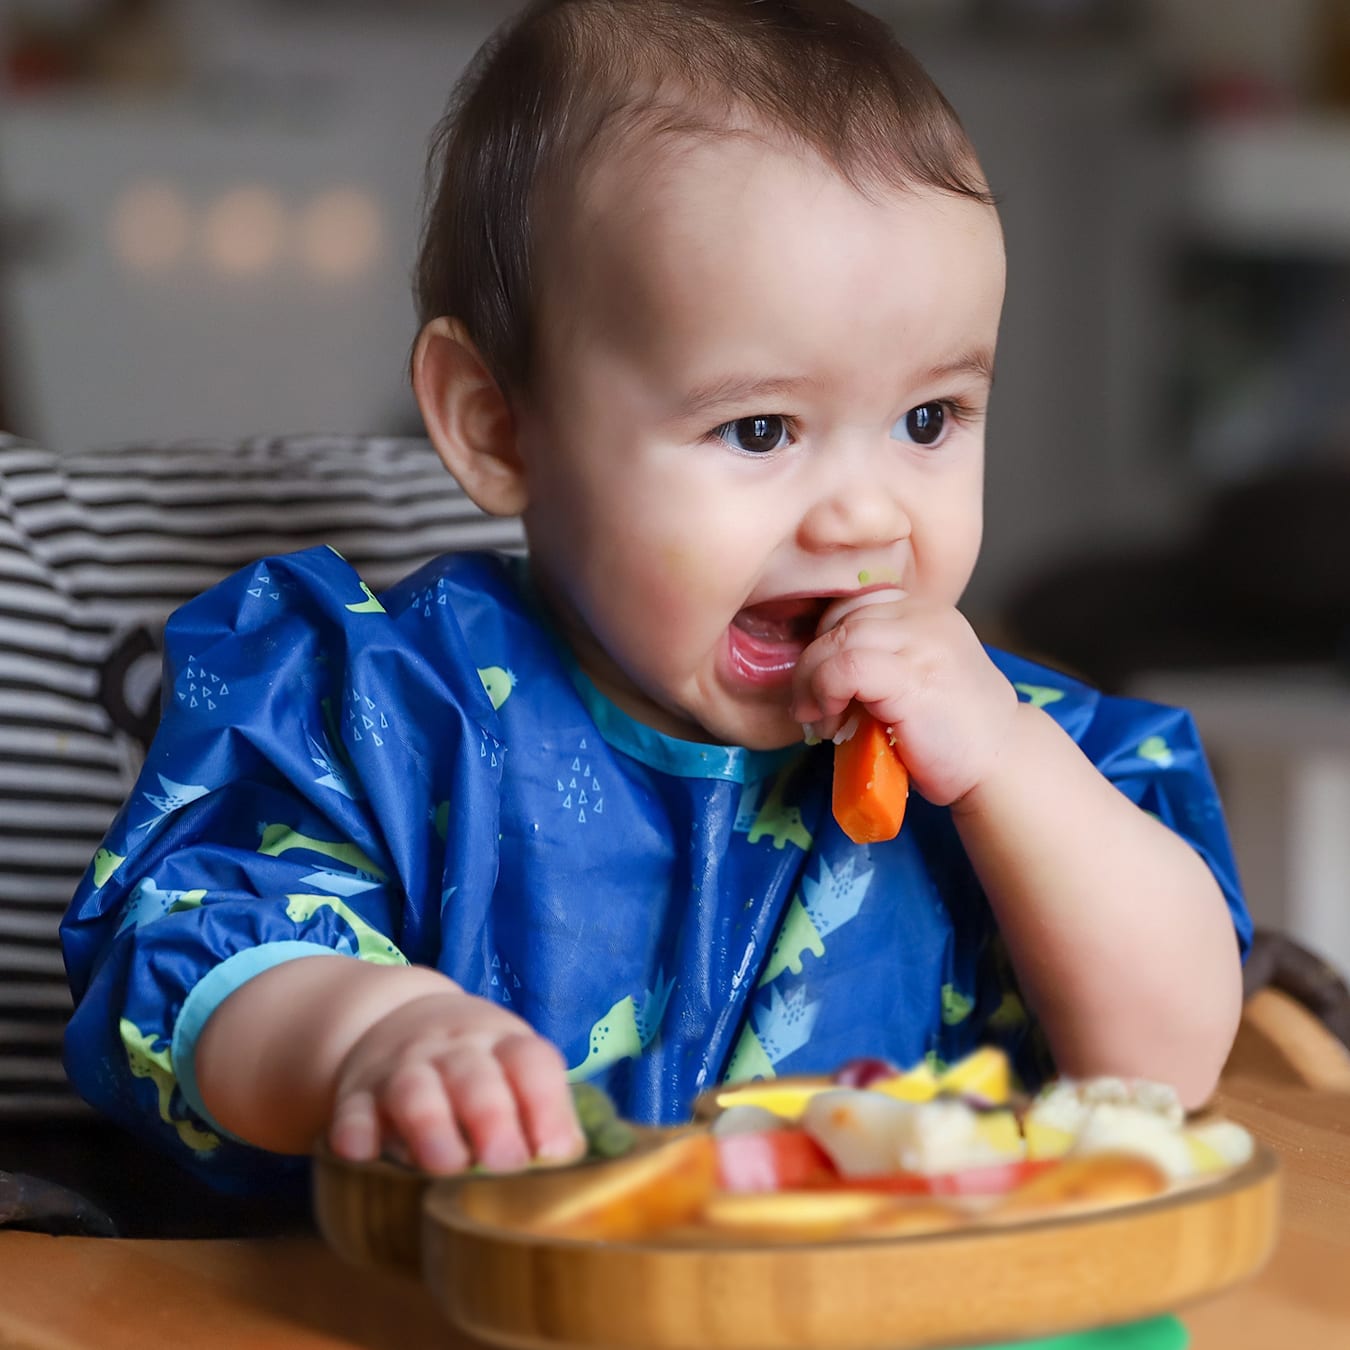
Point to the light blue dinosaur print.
(334, 774)
(748, 807)
(176, 796)
(148, 902)
(825, 904)
(625, 1031)
(778, 1031)
(340, 883)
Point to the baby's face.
(759, 391)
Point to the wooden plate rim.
(439, 1206)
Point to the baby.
(710, 291)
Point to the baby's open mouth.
(791, 621)
(767, 639)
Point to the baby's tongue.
(785, 621)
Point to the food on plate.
(607, 1134)
(911, 1152)
(871, 785)
(639, 1194)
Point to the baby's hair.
(552, 86)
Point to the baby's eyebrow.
(743, 389)
(748, 389)
(979, 362)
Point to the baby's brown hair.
(546, 93)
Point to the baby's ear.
(468, 418)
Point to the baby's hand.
(919, 669)
(447, 1080)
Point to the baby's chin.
(750, 728)
(757, 729)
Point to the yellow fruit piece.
(985, 1073)
(1205, 1157)
(919, 1084)
(788, 1102)
(1046, 1141)
(999, 1130)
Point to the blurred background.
(208, 213)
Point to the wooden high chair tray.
(507, 1285)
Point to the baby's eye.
(759, 435)
(923, 425)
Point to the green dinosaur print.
(748, 1060)
(614, 1037)
(106, 863)
(956, 1007)
(1010, 1014)
(441, 821)
(782, 822)
(1039, 695)
(936, 1063)
(156, 1065)
(371, 945)
(279, 839)
(796, 936)
(498, 682)
(1156, 750)
(370, 605)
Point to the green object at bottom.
(1158, 1333)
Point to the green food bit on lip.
(864, 578)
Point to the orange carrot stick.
(871, 785)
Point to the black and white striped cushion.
(96, 549)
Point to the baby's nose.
(859, 513)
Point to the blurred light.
(150, 226)
(244, 231)
(340, 233)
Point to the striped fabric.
(96, 549)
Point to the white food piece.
(943, 1136)
(747, 1119)
(1067, 1103)
(868, 1134)
(1112, 1127)
(857, 1128)
(1227, 1138)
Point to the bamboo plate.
(506, 1285)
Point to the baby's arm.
(383, 1055)
(1119, 933)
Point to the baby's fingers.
(485, 1107)
(874, 677)
(354, 1132)
(538, 1077)
(417, 1109)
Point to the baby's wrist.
(1007, 765)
